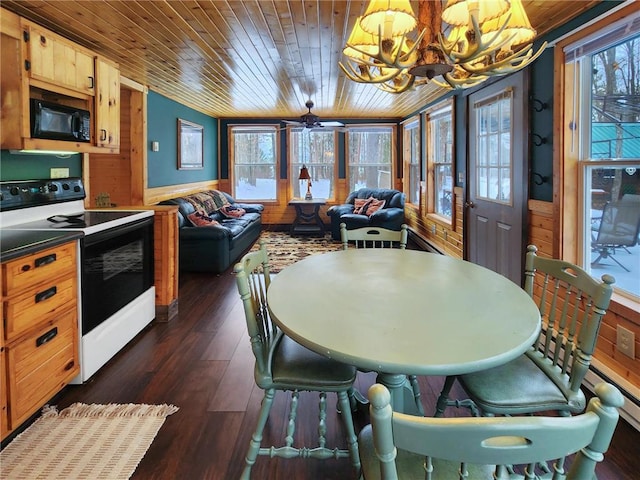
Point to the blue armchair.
(390, 216)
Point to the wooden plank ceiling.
(249, 58)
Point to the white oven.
(116, 291)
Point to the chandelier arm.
(510, 64)
(356, 76)
(397, 88)
(476, 49)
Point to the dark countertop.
(18, 243)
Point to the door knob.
(469, 204)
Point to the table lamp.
(304, 175)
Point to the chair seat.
(410, 466)
(295, 367)
(519, 386)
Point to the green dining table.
(403, 312)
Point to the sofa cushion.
(360, 205)
(232, 211)
(373, 206)
(200, 219)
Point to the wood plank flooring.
(201, 362)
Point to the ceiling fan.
(310, 120)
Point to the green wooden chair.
(378, 237)
(400, 446)
(373, 237)
(282, 364)
(550, 374)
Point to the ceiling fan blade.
(332, 124)
(291, 122)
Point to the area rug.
(84, 442)
(285, 249)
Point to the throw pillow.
(360, 205)
(200, 219)
(231, 211)
(373, 206)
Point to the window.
(370, 157)
(411, 142)
(314, 148)
(254, 153)
(439, 122)
(602, 151)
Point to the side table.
(308, 221)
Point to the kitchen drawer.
(41, 364)
(44, 302)
(32, 269)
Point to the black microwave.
(59, 122)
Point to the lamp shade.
(392, 17)
(362, 41)
(457, 12)
(518, 28)
(304, 174)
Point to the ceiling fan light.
(391, 17)
(457, 12)
(518, 29)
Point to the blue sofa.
(390, 216)
(214, 248)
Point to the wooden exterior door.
(497, 185)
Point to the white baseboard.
(601, 373)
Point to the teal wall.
(19, 166)
(162, 127)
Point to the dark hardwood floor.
(202, 363)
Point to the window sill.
(625, 307)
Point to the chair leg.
(443, 399)
(352, 440)
(416, 393)
(256, 438)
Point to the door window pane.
(493, 119)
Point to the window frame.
(392, 151)
(410, 127)
(293, 167)
(572, 160)
(437, 111)
(232, 163)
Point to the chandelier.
(394, 50)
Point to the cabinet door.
(57, 61)
(107, 104)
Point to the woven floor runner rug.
(84, 442)
(284, 249)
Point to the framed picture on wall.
(190, 145)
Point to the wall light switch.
(59, 172)
(155, 146)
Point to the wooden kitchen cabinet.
(39, 330)
(40, 64)
(4, 398)
(56, 61)
(107, 104)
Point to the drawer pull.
(69, 365)
(46, 260)
(48, 293)
(50, 335)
